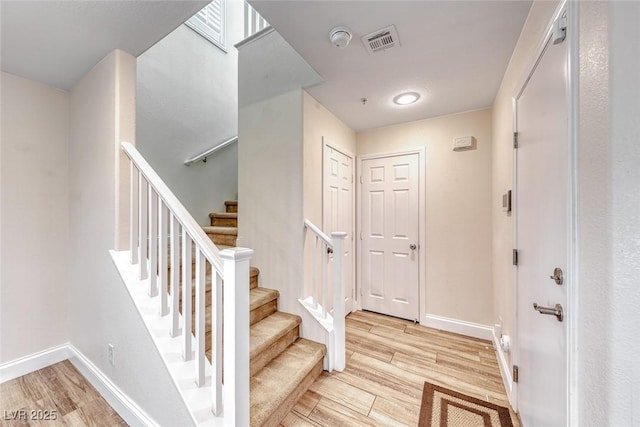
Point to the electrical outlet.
(112, 355)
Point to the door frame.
(328, 143)
(571, 10)
(422, 225)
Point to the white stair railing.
(154, 208)
(328, 304)
(253, 22)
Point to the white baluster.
(163, 264)
(133, 217)
(338, 301)
(187, 351)
(314, 295)
(142, 226)
(323, 281)
(201, 283)
(236, 335)
(174, 295)
(153, 242)
(216, 342)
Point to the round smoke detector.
(340, 37)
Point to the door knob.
(557, 276)
(553, 311)
(413, 246)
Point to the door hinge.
(515, 257)
(559, 30)
(360, 179)
(515, 373)
(361, 235)
(515, 140)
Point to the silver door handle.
(553, 311)
(413, 246)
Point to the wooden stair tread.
(230, 231)
(261, 296)
(231, 203)
(269, 330)
(274, 387)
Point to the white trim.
(422, 220)
(573, 18)
(505, 370)
(119, 401)
(456, 326)
(125, 407)
(33, 362)
(252, 38)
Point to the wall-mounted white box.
(462, 143)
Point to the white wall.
(100, 310)
(187, 102)
(270, 193)
(458, 211)
(35, 229)
(270, 159)
(608, 314)
(502, 164)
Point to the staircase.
(283, 365)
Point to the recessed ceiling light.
(406, 98)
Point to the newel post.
(236, 335)
(338, 301)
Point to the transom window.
(210, 23)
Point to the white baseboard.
(33, 362)
(505, 371)
(461, 327)
(119, 401)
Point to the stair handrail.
(203, 156)
(153, 208)
(336, 348)
(321, 234)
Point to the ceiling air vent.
(380, 40)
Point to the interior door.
(542, 183)
(338, 200)
(390, 235)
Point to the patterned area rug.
(442, 407)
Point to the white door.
(337, 201)
(390, 235)
(542, 180)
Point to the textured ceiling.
(57, 42)
(454, 53)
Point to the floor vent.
(380, 40)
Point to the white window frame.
(209, 33)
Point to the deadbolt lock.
(413, 246)
(557, 276)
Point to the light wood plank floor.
(58, 391)
(388, 361)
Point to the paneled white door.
(390, 235)
(542, 198)
(338, 205)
